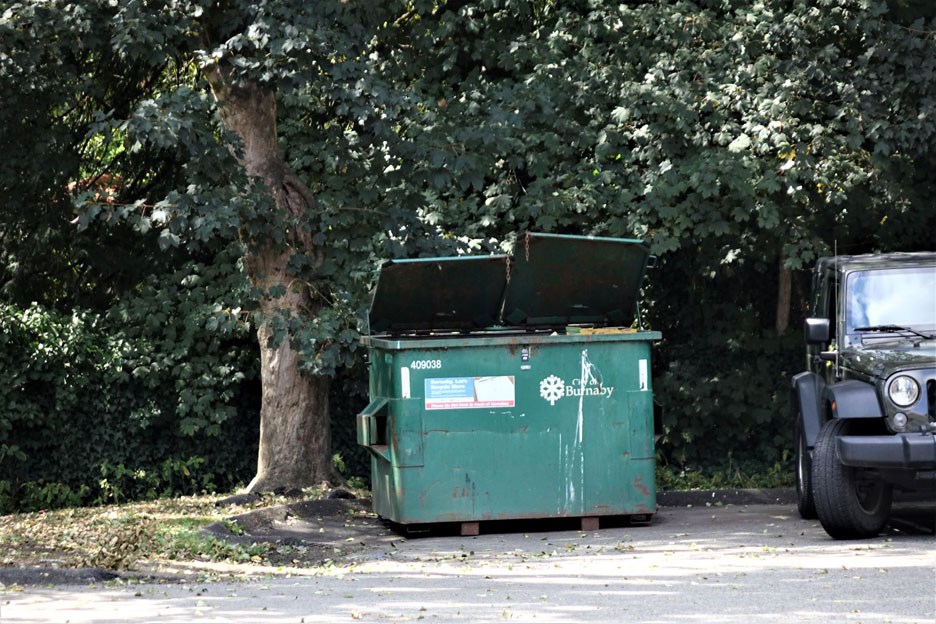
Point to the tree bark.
(295, 436)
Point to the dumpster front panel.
(513, 426)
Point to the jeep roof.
(843, 264)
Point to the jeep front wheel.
(851, 502)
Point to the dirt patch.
(307, 532)
(166, 538)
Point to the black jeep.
(865, 410)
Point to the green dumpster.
(511, 387)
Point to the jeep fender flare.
(852, 399)
(807, 397)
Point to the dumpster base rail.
(472, 528)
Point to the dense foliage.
(742, 140)
(145, 402)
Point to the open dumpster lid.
(459, 293)
(550, 281)
(567, 280)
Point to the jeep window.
(903, 297)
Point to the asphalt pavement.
(705, 560)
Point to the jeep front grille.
(931, 399)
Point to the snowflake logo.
(552, 389)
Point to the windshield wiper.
(895, 329)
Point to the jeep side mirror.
(816, 330)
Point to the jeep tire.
(850, 503)
(805, 502)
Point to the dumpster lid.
(551, 281)
(568, 280)
(424, 294)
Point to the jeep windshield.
(890, 304)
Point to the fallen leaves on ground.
(120, 537)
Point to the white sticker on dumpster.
(470, 392)
(404, 383)
(644, 377)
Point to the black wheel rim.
(868, 493)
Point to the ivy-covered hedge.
(99, 409)
(722, 372)
(727, 401)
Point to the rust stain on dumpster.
(639, 485)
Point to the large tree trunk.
(295, 441)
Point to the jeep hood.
(886, 359)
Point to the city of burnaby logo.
(552, 389)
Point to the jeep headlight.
(903, 391)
